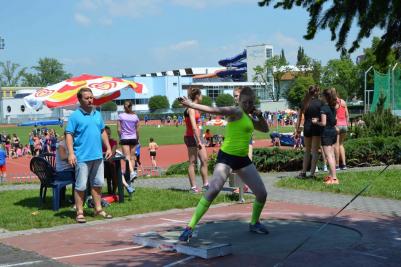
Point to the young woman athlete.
(233, 156)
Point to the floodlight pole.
(393, 78)
(366, 99)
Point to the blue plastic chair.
(47, 176)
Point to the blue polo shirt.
(86, 128)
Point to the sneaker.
(133, 175)
(334, 181)
(194, 190)
(186, 235)
(325, 168)
(130, 189)
(327, 179)
(316, 170)
(258, 228)
(337, 168)
(301, 175)
(343, 167)
(205, 187)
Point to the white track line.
(96, 252)
(171, 220)
(20, 264)
(180, 261)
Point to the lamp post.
(1, 43)
(367, 98)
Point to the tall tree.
(224, 100)
(339, 17)
(282, 56)
(10, 75)
(297, 91)
(50, 71)
(343, 75)
(273, 69)
(158, 102)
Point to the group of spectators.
(324, 121)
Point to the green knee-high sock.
(256, 211)
(201, 209)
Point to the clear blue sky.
(110, 37)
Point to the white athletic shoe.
(133, 175)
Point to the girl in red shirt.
(194, 142)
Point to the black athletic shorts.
(312, 130)
(190, 141)
(128, 142)
(152, 153)
(235, 162)
(328, 137)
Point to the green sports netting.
(397, 89)
(381, 86)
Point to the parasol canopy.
(64, 94)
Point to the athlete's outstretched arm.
(226, 111)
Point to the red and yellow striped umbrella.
(64, 94)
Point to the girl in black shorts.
(329, 133)
(310, 109)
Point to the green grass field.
(19, 208)
(165, 135)
(387, 185)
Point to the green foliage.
(207, 100)
(297, 91)
(224, 100)
(158, 102)
(302, 58)
(273, 68)
(109, 106)
(176, 104)
(10, 75)
(342, 74)
(339, 16)
(48, 71)
(381, 122)
(372, 151)
(275, 159)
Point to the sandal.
(80, 218)
(103, 214)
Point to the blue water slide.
(231, 72)
(237, 58)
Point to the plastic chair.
(49, 157)
(47, 176)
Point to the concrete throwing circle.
(284, 236)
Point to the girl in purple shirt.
(127, 127)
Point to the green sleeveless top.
(237, 137)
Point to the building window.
(174, 84)
(8, 109)
(22, 108)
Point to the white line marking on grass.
(20, 264)
(180, 261)
(171, 220)
(96, 252)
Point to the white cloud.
(103, 11)
(184, 45)
(285, 41)
(81, 19)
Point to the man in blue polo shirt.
(84, 136)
